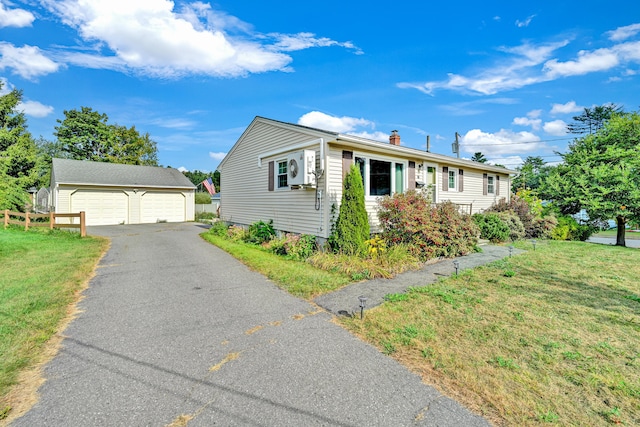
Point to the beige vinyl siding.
(473, 190)
(246, 199)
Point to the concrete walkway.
(345, 301)
(172, 326)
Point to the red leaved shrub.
(429, 231)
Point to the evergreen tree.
(352, 225)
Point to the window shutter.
(412, 175)
(271, 172)
(497, 185)
(347, 160)
(445, 178)
(485, 184)
(460, 180)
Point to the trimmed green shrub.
(492, 227)
(519, 207)
(352, 225)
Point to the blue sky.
(507, 76)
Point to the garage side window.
(282, 174)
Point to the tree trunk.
(621, 222)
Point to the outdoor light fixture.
(363, 302)
(510, 251)
(533, 242)
(456, 264)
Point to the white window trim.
(455, 179)
(491, 187)
(276, 174)
(367, 157)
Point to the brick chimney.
(394, 139)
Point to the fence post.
(52, 220)
(83, 226)
(26, 221)
(6, 218)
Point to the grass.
(630, 235)
(555, 341)
(41, 276)
(296, 277)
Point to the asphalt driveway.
(172, 326)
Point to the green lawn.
(551, 336)
(41, 275)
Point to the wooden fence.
(28, 217)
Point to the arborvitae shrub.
(352, 225)
(492, 227)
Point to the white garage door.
(101, 207)
(161, 206)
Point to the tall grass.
(41, 275)
(549, 336)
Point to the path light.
(510, 251)
(456, 264)
(363, 303)
(533, 242)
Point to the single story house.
(293, 174)
(111, 193)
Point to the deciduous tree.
(601, 174)
(85, 134)
(18, 155)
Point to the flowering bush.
(427, 231)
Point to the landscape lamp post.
(533, 242)
(456, 265)
(510, 251)
(363, 301)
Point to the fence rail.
(28, 217)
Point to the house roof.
(84, 172)
(351, 140)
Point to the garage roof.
(66, 171)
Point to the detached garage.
(112, 194)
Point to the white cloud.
(556, 128)
(623, 33)
(510, 162)
(516, 72)
(344, 124)
(376, 136)
(151, 38)
(15, 17)
(34, 109)
(217, 156)
(531, 63)
(500, 143)
(183, 169)
(568, 108)
(293, 42)
(587, 62)
(526, 22)
(526, 121)
(28, 61)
